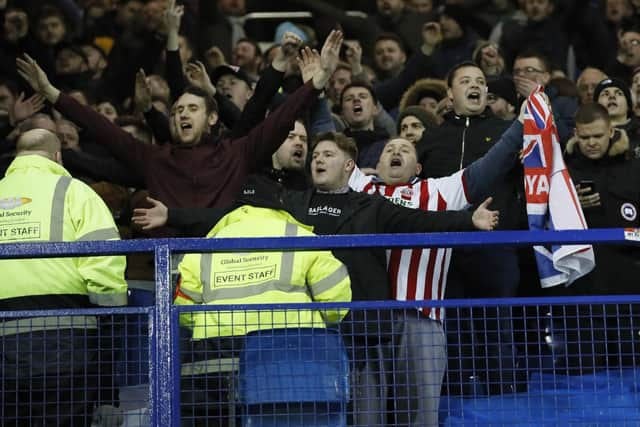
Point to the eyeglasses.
(526, 71)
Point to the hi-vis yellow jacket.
(40, 202)
(259, 278)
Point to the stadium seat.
(297, 376)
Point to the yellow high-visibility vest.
(40, 202)
(260, 278)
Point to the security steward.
(49, 364)
(248, 278)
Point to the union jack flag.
(552, 202)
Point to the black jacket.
(616, 177)
(461, 140)
(361, 214)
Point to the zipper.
(464, 135)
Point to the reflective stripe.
(205, 278)
(57, 209)
(103, 234)
(330, 281)
(229, 364)
(109, 300)
(286, 266)
(33, 324)
(253, 290)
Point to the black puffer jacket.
(616, 178)
(461, 140)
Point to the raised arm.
(175, 77)
(482, 175)
(119, 142)
(265, 139)
(267, 87)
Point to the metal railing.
(164, 366)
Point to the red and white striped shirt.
(418, 274)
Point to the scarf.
(552, 202)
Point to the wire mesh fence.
(500, 363)
(490, 362)
(75, 368)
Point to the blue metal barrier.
(164, 332)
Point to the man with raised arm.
(419, 346)
(195, 169)
(332, 208)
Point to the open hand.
(196, 74)
(309, 63)
(150, 218)
(25, 108)
(329, 57)
(485, 219)
(29, 70)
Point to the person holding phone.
(607, 179)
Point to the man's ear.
(418, 168)
(213, 118)
(57, 157)
(349, 165)
(450, 94)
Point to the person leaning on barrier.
(419, 344)
(57, 355)
(332, 208)
(224, 278)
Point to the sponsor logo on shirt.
(406, 193)
(325, 210)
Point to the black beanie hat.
(504, 88)
(614, 82)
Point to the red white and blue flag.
(552, 202)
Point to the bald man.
(40, 202)
(587, 82)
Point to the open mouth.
(186, 126)
(396, 162)
(474, 96)
(357, 109)
(298, 154)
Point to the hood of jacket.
(618, 144)
(413, 94)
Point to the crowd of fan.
(167, 107)
(129, 60)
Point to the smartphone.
(588, 183)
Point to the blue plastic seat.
(294, 376)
